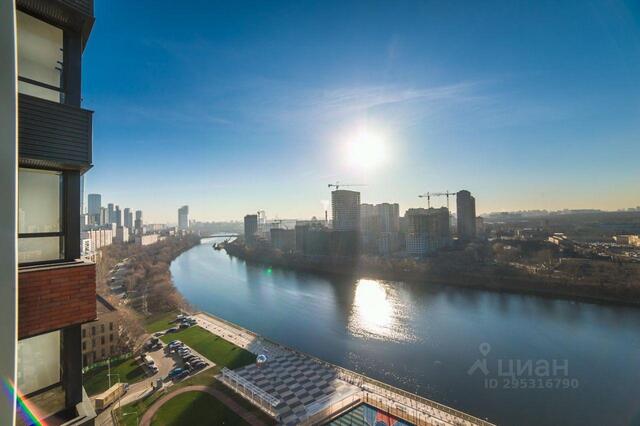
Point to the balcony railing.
(55, 296)
(53, 134)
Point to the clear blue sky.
(231, 107)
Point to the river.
(573, 363)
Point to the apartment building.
(55, 290)
(427, 230)
(101, 338)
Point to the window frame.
(61, 234)
(61, 90)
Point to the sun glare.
(366, 149)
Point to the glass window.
(39, 215)
(38, 362)
(39, 58)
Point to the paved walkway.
(220, 396)
(239, 336)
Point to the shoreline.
(482, 280)
(345, 374)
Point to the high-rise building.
(128, 218)
(380, 225)
(312, 238)
(389, 217)
(138, 222)
(54, 293)
(122, 234)
(94, 202)
(345, 210)
(104, 216)
(250, 227)
(183, 217)
(466, 211)
(117, 216)
(112, 213)
(428, 230)
(283, 239)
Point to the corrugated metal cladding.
(57, 9)
(53, 132)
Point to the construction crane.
(337, 185)
(428, 196)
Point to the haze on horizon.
(232, 108)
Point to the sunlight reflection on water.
(377, 313)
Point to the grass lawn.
(218, 350)
(160, 322)
(206, 378)
(128, 371)
(195, 408)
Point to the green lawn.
(218, 350)
(160, 322)
(195, 408)
(206, 378)
(128, 371)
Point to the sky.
(234, 107)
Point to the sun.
(366, 149)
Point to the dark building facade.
(56, 291)
(312, 239)
(427, 230)
(283, 239)
(250, 228)
(466, 210)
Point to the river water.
(573, 363)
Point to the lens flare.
(27, 412)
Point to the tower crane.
(428, 196)
(337, 185)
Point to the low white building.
(145, 240)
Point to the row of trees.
(147, 280)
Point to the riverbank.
(458, 272)
(406, 405)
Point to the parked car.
(190, 358)
(199, 365)
(181, 375)
(172, 330)
(174, 372)
(183, 325)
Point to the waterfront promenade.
(297, 388)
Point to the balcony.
(52, 134)
(55, 296)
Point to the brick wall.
(55, 296)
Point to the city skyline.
(523, 116)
